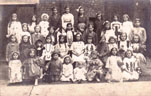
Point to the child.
(66, 18)
(24, 47)
(79, 72)
(67, 72)
(140, 31)
(127, 26)
(95, 71)
(37, 35)
(48, 49)
(54, 67)
(32, 67)
(77, 48)
(70, 34)
(25, 31)
(112, 43)
(14, 27)
(116, 24)
(52, 34)
(89, 47)
(107, 32)
(123, 44)
(44, 24)
(130, 67)
(90, 32)
(15, 68)
(62, 46)
(113, 65)
(11, 47)
(32, 24)
(39, 48)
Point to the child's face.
(39, 44)
(115, 18)
(55, 11)
(14, 17)
(107, 26)
(32, 53)
(45, 18)
(51, 30)
(94, 56)
(25, 38)
(55, 56)
(112, 41)
(125, 18)
(81, 11)
(80, 66)
(89, 40)
(69, 27)
(99, 17)
(62, 39)
(37, 29)
(129, 54)
(48, 40)
(34, 18)
(136, 38)
(123, 37)
(67, 60)
(91, 28)
(78, 37)
(13, 39)
(25, 28)
(114, 51)
(67, 10)
(137, 23)
(15, 56)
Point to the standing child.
(67, 72)
(14, 27)
(130, 67)
(24, 47)
(44, 24)
(11, 47)
(127, 26)
(25, 31)
(54, 67)
(32, 67)
(15, 69)
(95, 70)
(32, 24)
(116, 25)
(113, 65)
(79, 72)
(140, 31)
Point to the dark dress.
(98, 26)
(55, 21)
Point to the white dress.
(112, 46)
(108, 34)
(127, 28)
(112, 64)
(78, 47)
(44, 28)
(130, 65)
(67, 73)
(15, 71)
(31, 27)
(117, 24)
(80, 74)
(46, 54)
(15, 28)
(88, 49)
(67, 18)
(69, 37)
(124, 45)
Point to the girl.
(98, 24)
(48, 49)
(55, 20)
(66, 18)
(24, 47)
(44, 24)
(95, 71)
(52, 34)
(82, 20)
(113, 65)
(89, 47)
(11, 47)
(32, 25)
(112, 43)
(130, 67)
(123, 44)
(77, 48)
(79, 72)
(127, 26)
(39, 48)
(54, 67)
(62, 46)
(116, 25)
(90, 32)
(14, 27)
(107, 32)
(32, 67)
(15, 68)
(67, 72)
(37, 35)
(70, 34)
(140, 31)
(25, 31)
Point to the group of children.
(60, 48)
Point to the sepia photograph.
(75, 47)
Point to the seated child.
(112, 43)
